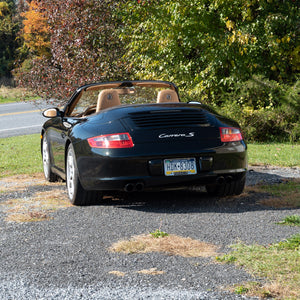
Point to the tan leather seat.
(166, 96)
(107, 99)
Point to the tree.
(84, 47)
(8, 33)
(206, 47)
(36, 30)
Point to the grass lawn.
(286, 155)
(20, 155)
(277, 262)
(9, 95)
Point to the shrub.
(266, 110)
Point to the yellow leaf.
(3, 8)
(230, 25)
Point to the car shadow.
(193, 201)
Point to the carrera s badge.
(176, 135)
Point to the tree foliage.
(238, 55)
(9, 27)
(84, 47)
(206, 46)
(36, 30)
(241, 55)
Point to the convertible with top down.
(133, 136)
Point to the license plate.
(180, 166)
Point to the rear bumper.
(118, 173)
(129, 184)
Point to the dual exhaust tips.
(139, 186)
(222, 179)
(134, 187)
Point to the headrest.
(166, 96)
(107, 99)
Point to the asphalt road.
(21, 118)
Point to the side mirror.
(51, 113)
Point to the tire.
(49, 175)
(232, 188)
(77, 194)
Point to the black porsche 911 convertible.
(131, 136)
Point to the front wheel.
(49, 175)
(231, 188)
(77, 194)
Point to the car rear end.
(165, 146)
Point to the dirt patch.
(283, 195)
(29, 198)
(21, 182)
(117, 273)
(171, 244)
(152, 271)
(272, 290)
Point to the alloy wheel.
(46, 158)
(71, 176)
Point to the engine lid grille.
(168, 118)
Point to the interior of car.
(93, 100)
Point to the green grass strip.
(285, 155)
(6, 100)
(20, 155)
(9, 94)
(278, 263)
(293, 220)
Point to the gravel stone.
(67, 256)
(270, 175)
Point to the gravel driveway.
(66, 257)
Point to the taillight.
(230, 134)
(115, 140)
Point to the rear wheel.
(77, 194)
(49, 175)
(231, 188)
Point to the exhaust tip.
(220, 180)
(139, 186)
(129, 187)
